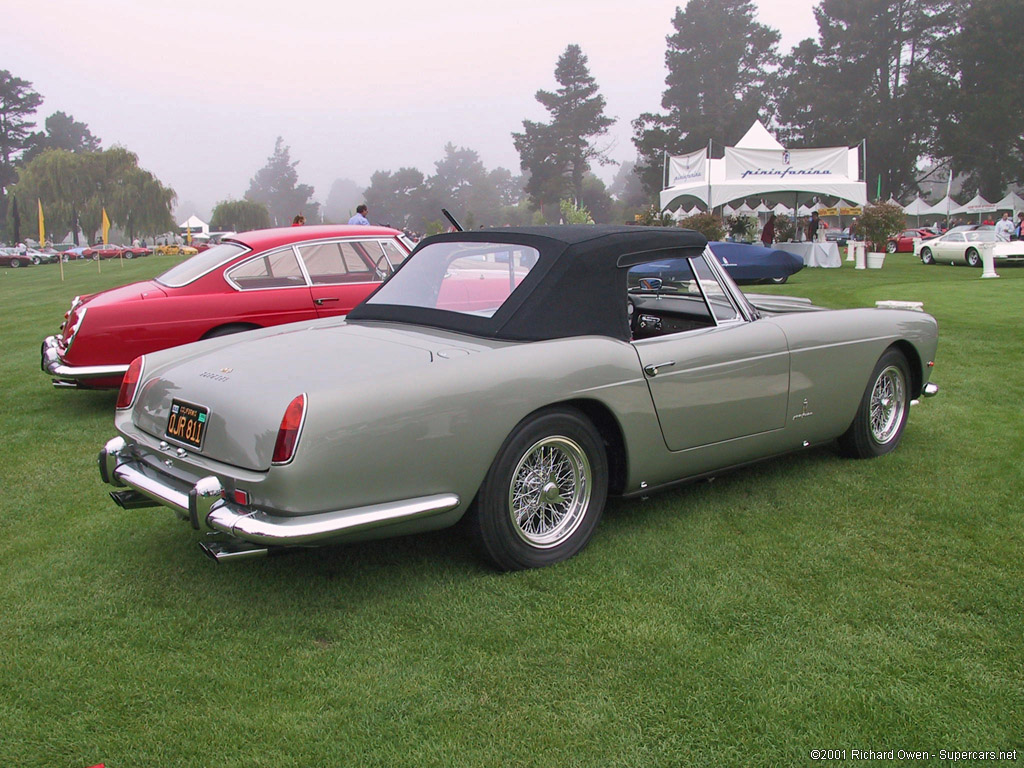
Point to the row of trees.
(64, 168)
(925, 82)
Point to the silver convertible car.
(511, 377)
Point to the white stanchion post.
(861, 256)
(987, 262)
(851, 248)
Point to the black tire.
(15, 263)
(553, 469)
(129, 255)
(890, 247)
(973, 258)
(926, 256)
(227, 330)
(36, 260)
(778, 280)
(882, 414)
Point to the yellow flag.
(188, 234)
(106, 227)
(42, 225)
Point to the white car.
(957, 246)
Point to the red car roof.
(259, 239)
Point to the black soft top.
(577, 287)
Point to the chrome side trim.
(53, 365)
(261, 528)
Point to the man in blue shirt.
(360, 217)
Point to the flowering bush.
(707, 224)
(880, 222)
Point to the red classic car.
(101, 251)
(904, 241)
(254, 279)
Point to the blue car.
(748, 264)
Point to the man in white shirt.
(1004, 228)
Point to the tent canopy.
(977, 204)
(759, 167)
(1012, 202)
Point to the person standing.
(299, 220)
(1019, 231)
(812, 227)
(1004, 228)
(768, 233)
(360, 217)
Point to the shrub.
(707, 224)
(880, 222)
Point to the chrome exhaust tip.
(231, 549)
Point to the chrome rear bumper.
(53, 365)
(204, 506)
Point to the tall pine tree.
(719, 76)
(558, 154)
(275, 185)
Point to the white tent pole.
(707, 165)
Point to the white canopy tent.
(944, 207)
(1012, 202)
(976, 204)
(195, 224)
(759, 167)
(917, 208)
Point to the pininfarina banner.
(687, 169)
(778, 164)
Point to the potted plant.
(878, 224)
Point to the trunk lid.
(246, 385)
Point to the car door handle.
(324, 300)
(652, 370)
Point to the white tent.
(944, 207)
(744, 209)
(728, 210)
(762, 208)
(680, 214)
(781, 209)
(1012, 202)
(195, 224)
(977, 204)
(759, 167)
(917, 208)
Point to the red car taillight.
(130, 383)
(288, 434)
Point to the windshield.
(467, 277)
(197, 266)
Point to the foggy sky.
(200, 89)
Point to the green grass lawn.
(808, 602)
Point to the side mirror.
(650, 284)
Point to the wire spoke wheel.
(888, 402)
(550, 491)
(878, 426)
(544, 494)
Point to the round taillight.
(130, 384)
(288, 434)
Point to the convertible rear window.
(200, 264)
(468, 277)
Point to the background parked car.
(958, 246)
(904, 241)
(12, 257)
(251, 280)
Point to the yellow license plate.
(187, 423)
